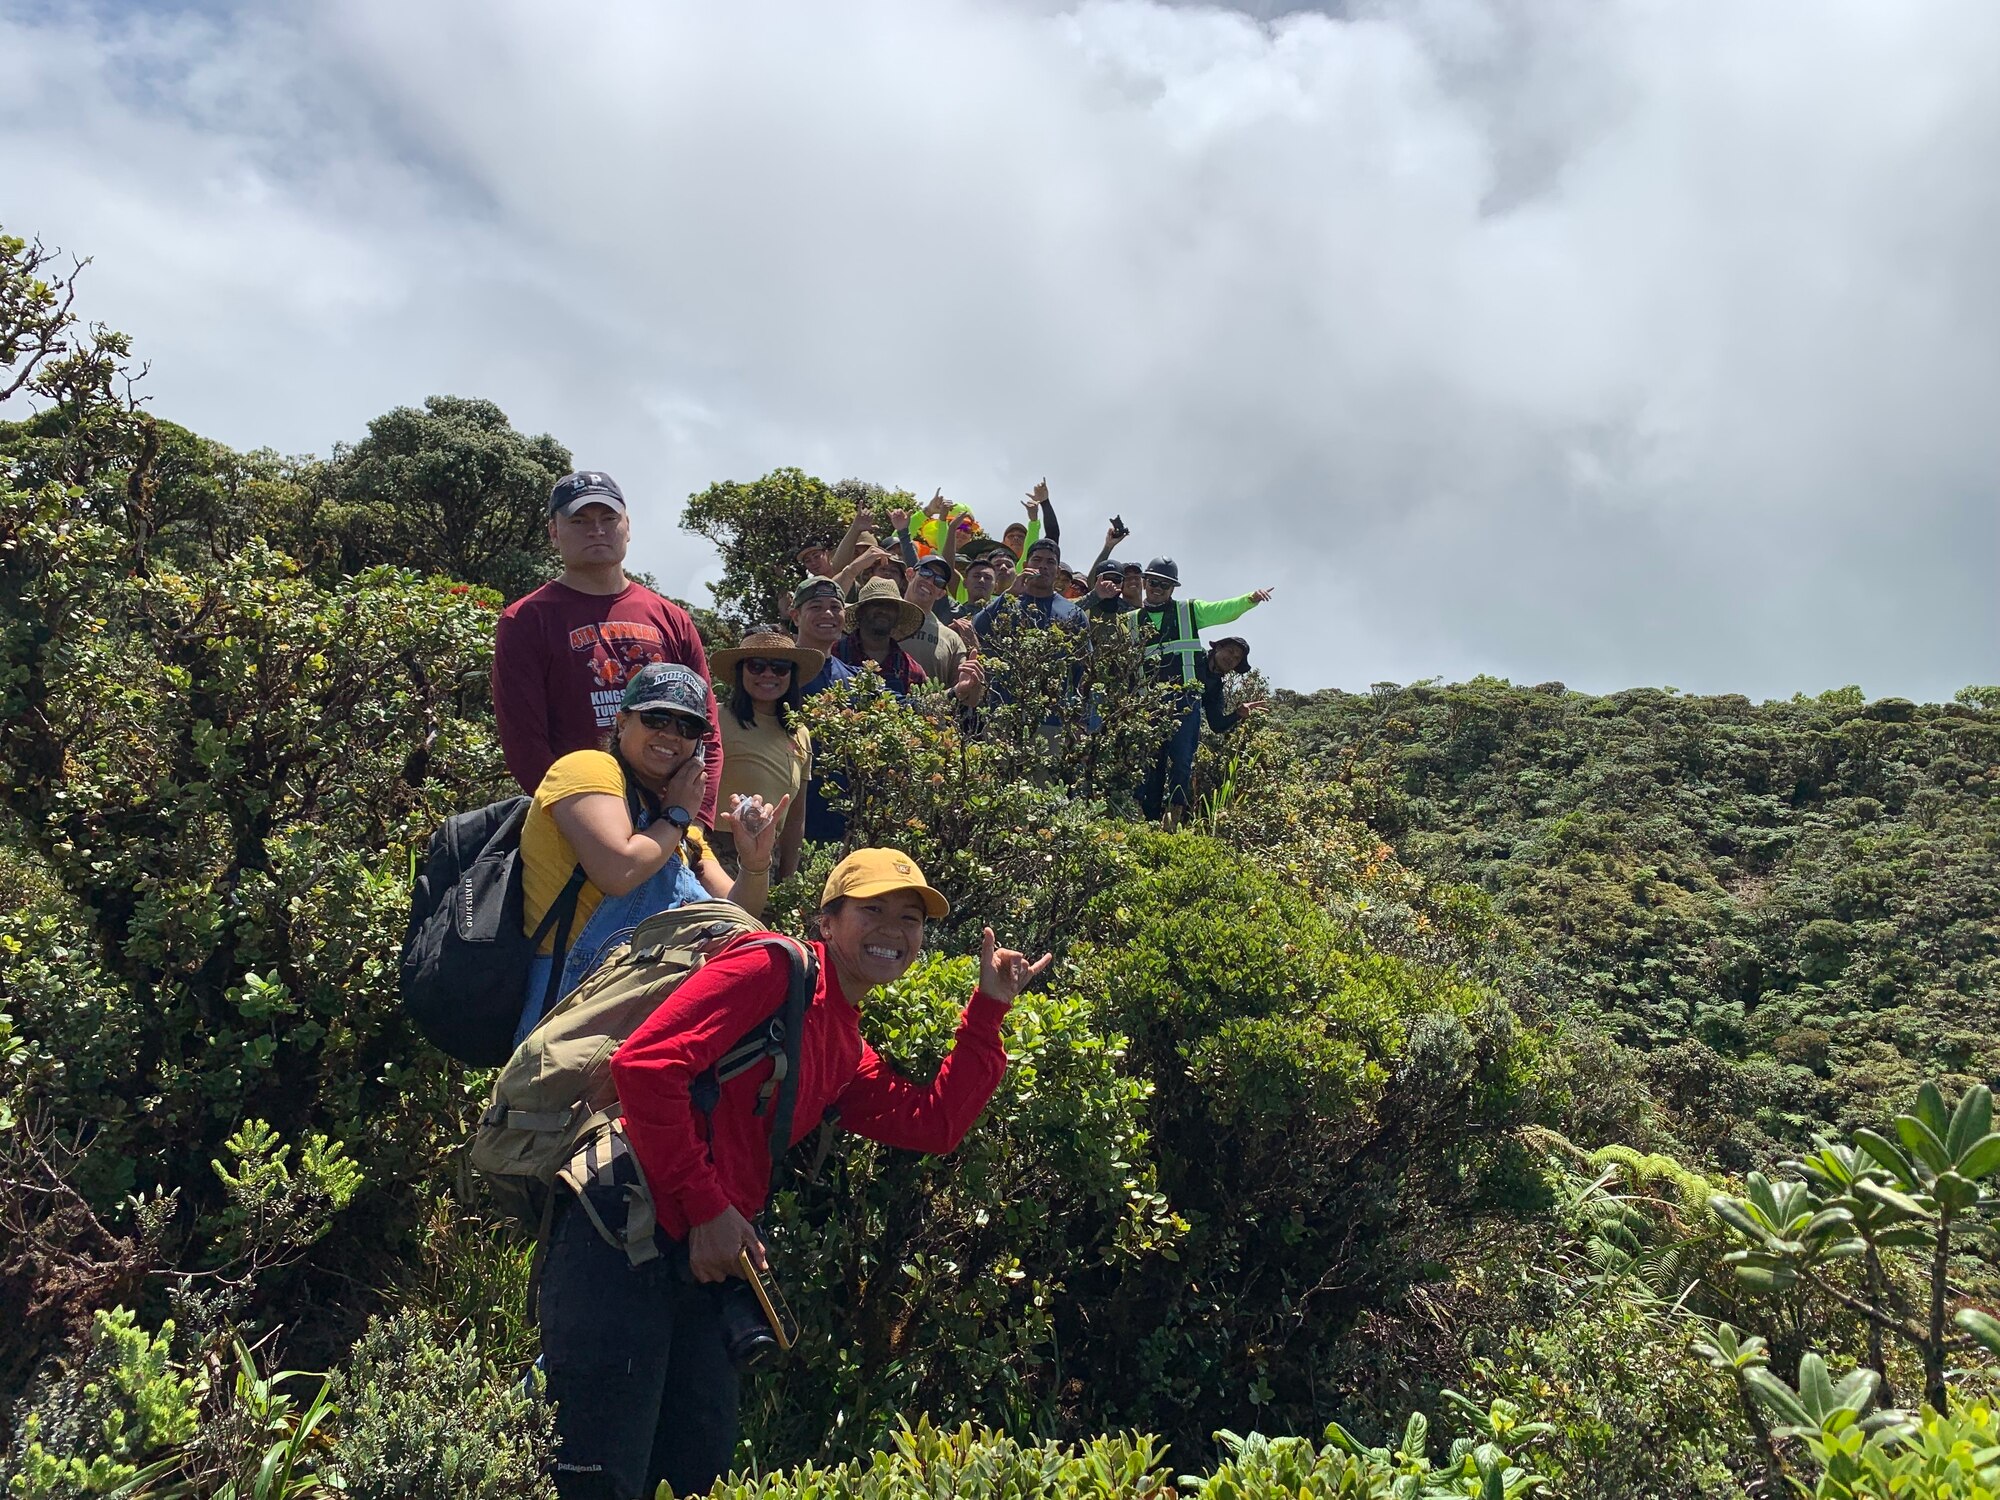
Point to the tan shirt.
(938, 649)
(766, 760)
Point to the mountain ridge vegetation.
(1325, 1123)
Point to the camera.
(1118, 525)
(757, 1326)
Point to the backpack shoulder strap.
(779, 1037)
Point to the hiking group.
(598, 939)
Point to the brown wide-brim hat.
(805, 661)
(881, 591)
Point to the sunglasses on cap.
(777, 664)
(679, 723)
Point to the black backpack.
(465, 957)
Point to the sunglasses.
(665, 718)
(773, 664)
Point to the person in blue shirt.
(820, 615)
(1037, 599)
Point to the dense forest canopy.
(1486, 1079)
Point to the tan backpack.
(554, 1116)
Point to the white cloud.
(1622, 342)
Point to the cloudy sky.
(1612, 341)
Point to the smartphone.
(784, 1327)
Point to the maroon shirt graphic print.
(561, 660)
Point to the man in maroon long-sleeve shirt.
(563, 654)
(643, 1386)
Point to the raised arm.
(756, 824)
(846, 576)
(844, 553)
(1209, 612)
(1049, 522)
(900, 520)
(1111, 541)
(884, 1106)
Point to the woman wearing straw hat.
(766, 752)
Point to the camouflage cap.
(668, 686)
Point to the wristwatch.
(680, 817)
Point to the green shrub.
(930, 1284)
(430, 1419)
(1605, 1367)
(970, 1464)
(93, 1426)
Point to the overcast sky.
(1612, 342)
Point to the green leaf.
(1923, 1142)
(1889, 1154)
(1739, 1216)
(1889, 1198)
(1954, 1193)
(1981, 1158)
(1930, 1111)
(1828, 1222)
(1766, 1278)
(1905, 1237)
(1972, 1120)
(1983, 1327)
(1778, 1397)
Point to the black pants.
(644, 1389)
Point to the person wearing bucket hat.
(880, 617)
(610, 837)
(1169, 632)
(1224, 659)
(563, 654)
(644, 1389)
(770, 753)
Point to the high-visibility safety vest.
(1184, 641)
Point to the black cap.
(1238, 642)
(815, 588)
(1165, 569)
(1109, 568)
(1043, 544)
(587, 487)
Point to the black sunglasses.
(777, 664)
(667, 718)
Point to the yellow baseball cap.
(876, 872)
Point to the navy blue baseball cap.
(586, 487)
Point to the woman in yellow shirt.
(610, 840)
(766, 752)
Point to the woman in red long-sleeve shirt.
(635, 1357)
